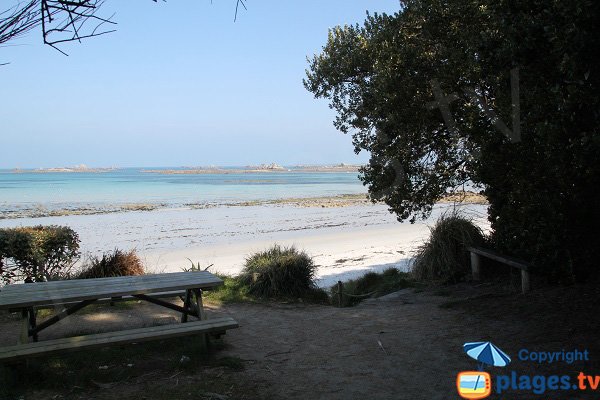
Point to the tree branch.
(61, 21)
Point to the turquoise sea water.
(33, 194)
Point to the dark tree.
(501, 93)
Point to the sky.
(178, 84)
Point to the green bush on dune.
(444, 258)
(37, 253)
(116, 263)
(279, 272)
(287, 273)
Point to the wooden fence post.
(340, 288)
(525, 283)
(475, 266)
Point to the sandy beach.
(346, 239)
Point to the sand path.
(330, 353)
(300, 351)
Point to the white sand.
(345, 241)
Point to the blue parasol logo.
(486, 353)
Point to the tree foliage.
(37, 253)
(428, 93)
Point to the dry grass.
(117, 263)
(444, 258)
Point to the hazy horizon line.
(85, 166)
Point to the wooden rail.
(478, 252)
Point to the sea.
(26, 194)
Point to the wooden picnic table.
(74, 295)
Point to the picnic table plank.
(119, 337)
(43, 293)
(150, 278)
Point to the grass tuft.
(444, 258)
(279, 272)
(117, 263)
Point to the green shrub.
(37, 253)
(372, 284)
(233, 290)
(444, 257)
(117, 263)
(279, 272)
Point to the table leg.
(203, 337)
(33, 323)
(28, 323)
(186, 305)
(24, 336)
(199, 304)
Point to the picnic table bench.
(477, 252)
(74, 295)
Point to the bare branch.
(61, 21)
(73, 20)
(237, 4)
(18, 20)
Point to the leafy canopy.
(499, 93)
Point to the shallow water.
(27, 194)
